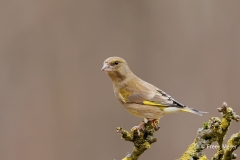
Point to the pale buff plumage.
(139, 97)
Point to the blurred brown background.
(56, 104)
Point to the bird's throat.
(117, 76)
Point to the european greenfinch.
(139, 97)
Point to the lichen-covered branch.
(141, 142)
(214, 130)
(228, 116)
(205, 137)
(233, 144)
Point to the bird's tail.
(192, 110)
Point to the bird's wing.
(170, 101)
(153, 98)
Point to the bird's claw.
(155, 126)
(138, 128)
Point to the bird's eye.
(116, 63)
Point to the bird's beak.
(106, 67)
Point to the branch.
(214, 130)
(233, 144)
(228, 116)
(141, 142)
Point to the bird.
(139, 97)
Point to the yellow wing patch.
(153, 104)
(161, 106)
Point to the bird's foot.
(156, 127)
(139, 127)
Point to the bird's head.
(116, 68)
(113, 64)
